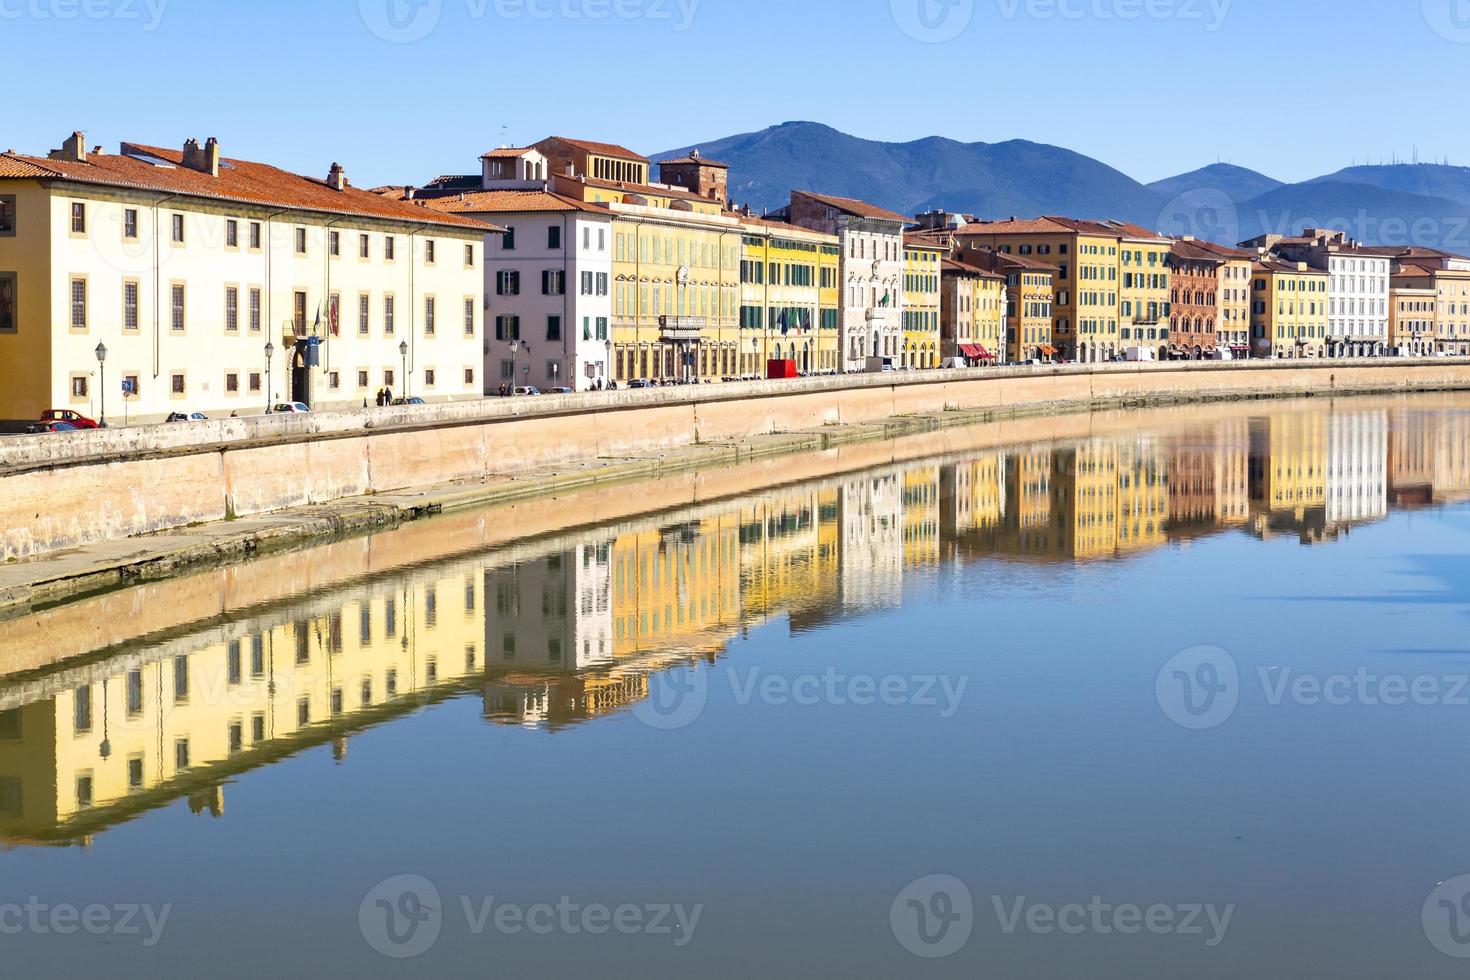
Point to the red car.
(67, 415)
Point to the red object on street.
(780, 369)
(67, 415)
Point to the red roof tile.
(853, 206)
(508, 202)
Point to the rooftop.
(852, 206)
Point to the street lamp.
(403, 353)
(270, 350)
(101, 353)
(515, 345)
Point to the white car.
(290, 408)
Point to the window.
(298, 313)
(389, 245)
(255, 310)
(429, 315)
(178, 229)
(507, 328)
(363, 250)
(388, 315)
(7, 302)
(469, 256)
(130, 306)
(79, 386)
(507, 283)
(469, 376)
(428, 377)
(78, 218)
(176, 384)
(232, 234)
(176, 307)
(255, 235)
(129, 385)
(388, 377)
(429, 251)
(232, 383)
(602, 284)
(334, 380)
(362, 378)
(334, 244)
(79, 304)
(130, 222)
(553, 282)
(553, 236)
(469, 317)
(508, 240)
(232, 309)
(602, 327)
(553, 328)
(300, 241)
(7, 214)
(364, 305)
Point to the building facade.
(921, 302)
(155, 281)
(1288, 309)
(1357, 318)
(973, 314)
(1193, 302)
(1143, 261)
(1411, 320)
(1028, 301)
(789, 298)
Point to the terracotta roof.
(645, 189)
(394, 192)
(239, 180)
(700, 161)
(783, 227)
(1045, 225)
(1277, 265)
(984, 257)
(924, 239)
(950, 265)
(1129, 230)
(853, 206)
(507, 202)
(507, 152)
(1222, 251)
(1193, 251)
(601, 149)
(1412, 270)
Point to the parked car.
(561, 391)
(187, 417)
(413, 400)
(639, 383)
(75, 419)
(38, 427)
(290, 408)
(520, 390)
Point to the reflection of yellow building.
(1288, 473)
(1143, 495)
(921, 261)
(1232, 472)
(921, 517)
(789, 295)
(1085, 494)
(677, 587)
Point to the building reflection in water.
(552, 639)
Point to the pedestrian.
(387, 396)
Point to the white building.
(547, 277)
(218, 285)
(1357, 290)
(871, 274)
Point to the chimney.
(409, 191)
(337, 177)
(203, 159)
(73, 149)
(1187, 238)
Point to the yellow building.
(1086, 306)
(675, 280)
(920, 517)
(1085, 498)
(676, 587)
(973, 314)
(1143, 495)
(1449, 277)
(1288, 474)
(1288, 309)
(789, 295)
(921, 301)
(1411, 317)
(1144, 297)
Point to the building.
(789, 297)
(1085, 254)
(1144, 298)
(1288, 309)
(1411, 312)
(693, 173)
(1449, 276)
(1194, 301)
(1357, 319)
(870, 323)
(220, 285)
(1232, 296)
(973, 314)
(921, 301)
(1028, 301)
(593, 160)
(548, 285)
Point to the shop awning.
(1048, 349)
(976, 352)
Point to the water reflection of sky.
(263, 770)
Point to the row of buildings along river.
(571, 633)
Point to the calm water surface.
(1189, 700)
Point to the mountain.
(1238, 183)
(1420, 204)
(1015, 177)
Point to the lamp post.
(403, 353)
(101, 353)
(515, 345)
(270, 350)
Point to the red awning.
(976, 352)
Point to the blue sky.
(1152, 87)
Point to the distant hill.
(1423, 204)
(1237, 182)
